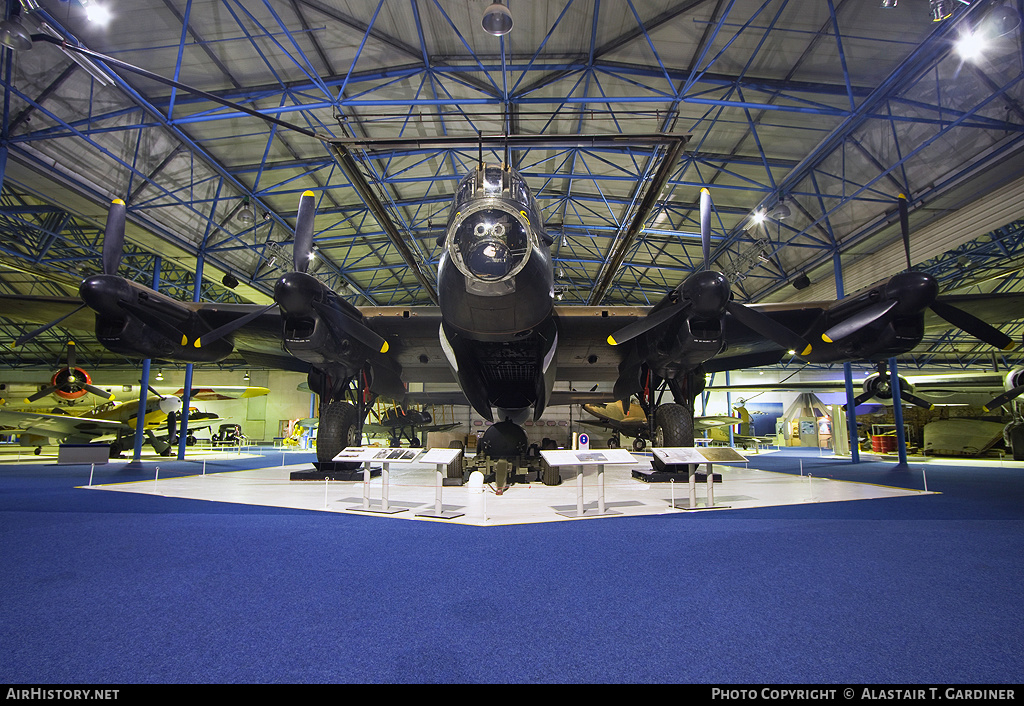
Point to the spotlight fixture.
(940, 9)
(229, 281)
(780, 212)
(246, 216)
(497, 20)
(246, 375)
(13, 33)
(1001, 21)
(159, 375)
(802, 282)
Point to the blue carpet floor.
(122, 588)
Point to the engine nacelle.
(880, 386)
(138, 322)
(1014, 378)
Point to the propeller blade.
(905, 226)
(172, 427)
(1004, 398)
(769, 328)
(705, 226)
(915, 400)
(855, 323)
(109, 397)
(42, 393)
(304, 231)
(71, 355)
(351, 327)
(651, 321)
(153, 390)
(230, 327)
(46, 327)
(973, 325)
(863, 397)
(113, 237)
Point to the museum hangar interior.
(797, 152)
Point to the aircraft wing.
(58, 426)
(223, 392)
(713, 422)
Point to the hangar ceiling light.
(497, 20)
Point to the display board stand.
(441, 458)
(690, 458)
(367, 456)
(581, 459)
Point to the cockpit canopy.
(490, 236)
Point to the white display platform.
(413, 486)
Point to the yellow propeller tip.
(826, 339)
(903, 196)
(985, 408)
(119, 202)
(198, 343)
(307, 192)
(1011, 346)
(806, 350)
(384, 348)
(611, 341)
(704, 190)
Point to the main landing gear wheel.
(639, 444)
(338, 428)
(673, 426)
(1017, 441)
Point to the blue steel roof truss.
(838, 145)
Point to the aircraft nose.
(169, 405)
(491, 242)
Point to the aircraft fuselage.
(496, 295)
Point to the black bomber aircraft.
(497, 328)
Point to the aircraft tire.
(673, 426)
(639, 444)
(338, 428)
(1017, 441)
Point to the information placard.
(570, 457)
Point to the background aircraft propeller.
(70, 380)
(969, 323)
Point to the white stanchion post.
(600, 489)
(925, 477)
(672, 487)
(327, 483)
(439, 479)
(710, 501)
(385, 479)
(366, 485)
(156, 478)
(204, 466)
(579, 492)
(693, 489)
(801, 467)
(92, 467)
